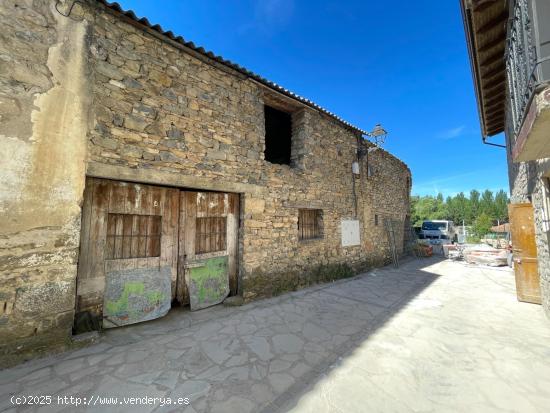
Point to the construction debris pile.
(478, 254)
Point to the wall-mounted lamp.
(378, 138)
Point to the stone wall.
(44, 103)
(526, 185)
(160, 113)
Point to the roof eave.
(494, 122)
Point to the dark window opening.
(278, 136)
(310, 222)
(133, 236)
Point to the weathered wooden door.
(522, 226)
(128, 251)
(143, 245)
(208, 245)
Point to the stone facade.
(97, 94)
(526, 185)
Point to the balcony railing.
(528, 39)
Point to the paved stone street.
(430, 336)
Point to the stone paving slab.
(415, 338)
(463, 344)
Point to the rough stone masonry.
(86, 90)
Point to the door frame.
(85, 279)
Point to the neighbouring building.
(509, 46)
(139, 171)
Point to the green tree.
(473, 206)
(460, 208)
(482, 224)
(487, 204)
(501, 206)
(440, 208)
(425, 208)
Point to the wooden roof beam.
(493, 58)
(490, 97)
(494, 131)
(482, 5)
(498, 41)
(497, 81)
(495, 105)
(497, 70)
(493, 111)
(496, 123)
(494, 116)
(494, 22)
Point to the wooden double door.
(145, 246)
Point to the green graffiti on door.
(121, 305)
(135, 295)
(208, 284)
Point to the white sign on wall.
(350, 232)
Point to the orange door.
(522, 225)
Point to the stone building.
(509, 45)
(139, 171)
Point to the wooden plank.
(119, 231)
(201, 201)
(211, 204)
(130, 206)
(497, 21)
(117, 201)
(98, 229)
(190, 229)
(232, 240)
(111, 231)
(117, 205)
(86, 222)
(127, 223)
(181, 287)
(84, 262)
(174, 200)
(206, 229)
(154, 208)
(134, 246)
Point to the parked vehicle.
(439, 230)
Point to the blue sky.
(404, 66)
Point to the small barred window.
(310, 222)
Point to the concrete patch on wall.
(47, 298)
(350, 233)
(44, 109)
(209, 283)
(136, 295)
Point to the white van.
(439, 230)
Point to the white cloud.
(269, 16)
(452, 133)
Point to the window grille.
(133, 236)
(210, 235)
(309, 224)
